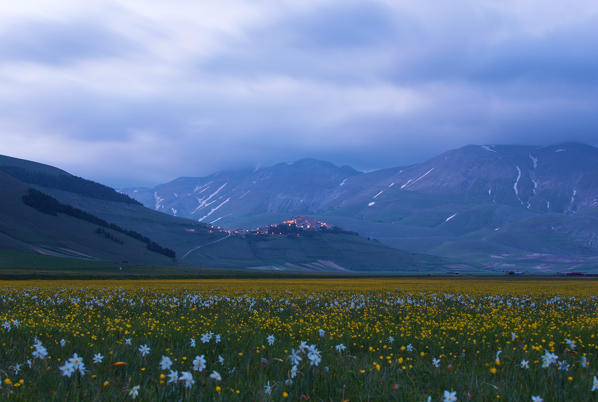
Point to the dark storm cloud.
(568, 56)
(139, 92)
(333, 43)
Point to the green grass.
(22, 265)
(349, 252)
(21, 260)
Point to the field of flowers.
(328, 339)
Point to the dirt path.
(203, 245)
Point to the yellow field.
(563, 287)
(356, 339)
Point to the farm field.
(300, 339)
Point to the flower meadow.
(325, 339)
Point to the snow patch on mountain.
(572, 200)
(488, 148)
(158, 200)
(450, 217)
(411, 182)
(213, 210)
(204, 202)
(534, 161)
(216, 220)
(201, 189)
(516, 184)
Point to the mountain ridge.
(517, 162)
(460, 203)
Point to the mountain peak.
(317, 163)
(310, 162)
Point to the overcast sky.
(137, 92)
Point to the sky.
(139, 92)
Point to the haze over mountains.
(503, 206)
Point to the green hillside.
(25, 228)
(316, 251)
(38, 174)
(104, 202)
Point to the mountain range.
(50, 212)
(504, 207)
(477, 209)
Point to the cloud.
(131, 91)
(56, 43)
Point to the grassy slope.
(24, 228)
(347, 252)
(16, 265)
(30, 165)
(166, 230)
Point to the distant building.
(306, 223)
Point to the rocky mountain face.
(227, 198)
(510, 201)
(559, 179)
